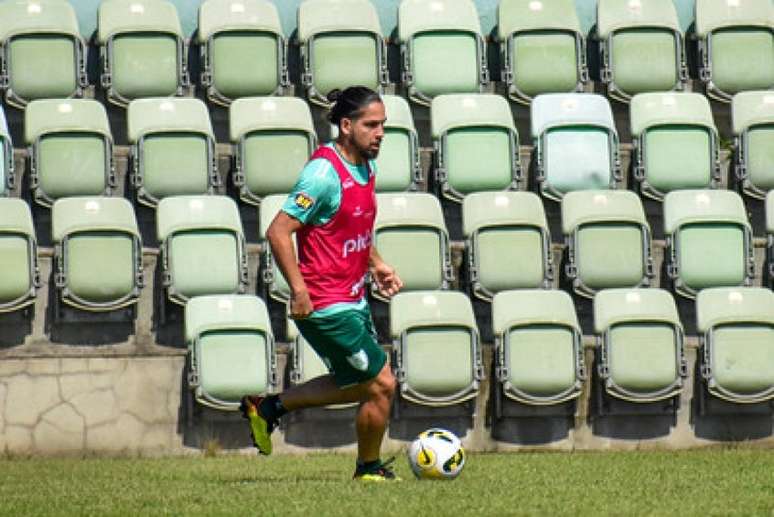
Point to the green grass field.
(720, 482)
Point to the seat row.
(143, 51)
(538, 355)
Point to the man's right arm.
(280, 237)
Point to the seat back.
(274, 137)
(498, 226)
(273, 279)
(437, 358)
(752, 116)
(243, 49)
(398, 161)
(18, 254)
(476, 143)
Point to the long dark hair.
(350, 102)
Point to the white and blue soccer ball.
(436, 454)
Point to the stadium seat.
(70, 148)
(498, 226)
(676, 143)
(577, 143)
(231, 349)
(43, 54)
(97, 253)
(752, 115)
(641, 357)
(608, 240)
(142, 50)
(736, 46)
(341, 45)
(442, 48)
(7, 178)
(769, 209)
(538, 346)
(641, 47)
(173, 148)
(476, 144)
(243, 49)
(19, 274)
(533, 33)
(398, 162)
(709, 240)
(276, 286)
(736, 339)
(202, 247)
(437, 355)
(273, 137)
(411, 236)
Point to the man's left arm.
(387, 280)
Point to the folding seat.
(273, 137)
(499, 226)
(641, 47)
(43, 54)
(736, 46)
(398, 162)
(70, 149)
(709, 240)
(142, 50)
(19, 274)
(641, 357)
(577, 143)
(231, 349)
(533, 33)
(243, 49)
(476, 144)
(173, 148)
(436, 350)
(97, 253)
(341, 45)
(442, 48)
(752, 115)
(7, 178)
(608, 240)
(676, 143)
(274, 282)
(538, 346)
(202, 247)
(411, 236)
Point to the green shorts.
(347, 344)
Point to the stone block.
(74, 365)
(65, 418)
(74, 384)
(28, 398)
(18, 439)
(97, 407)
(105, 364)
(47, 366)
(10, 367)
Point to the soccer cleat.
(381, 472)
(260, 427)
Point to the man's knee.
(384, 385)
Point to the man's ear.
(345, 126)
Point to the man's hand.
(387, 280)
(300, 305)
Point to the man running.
(332, 210)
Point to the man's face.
(366, 132)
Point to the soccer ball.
(436, 454)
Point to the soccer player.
(332, 210)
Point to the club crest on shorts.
(303, 201)
(358, 360)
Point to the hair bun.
(334, 95)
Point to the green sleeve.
(316, 196)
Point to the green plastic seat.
(641, 356)
(608, 240)
(19, 274)
(173, 148)
(538, 346)
(142, 50)
(676, 143)
(231, 348)
(709, 240)
(202, 247)
(397, 165)
(70, 148)
(43, 53)
(243, 49)
(273, 280)
(769, 209)
(411, 236)
(736, 46)
(7, 178)
(97, 252)
(752, 116)
(442, 48)
(274, 137)
(736, 337)
(577, 143)
(437, 356)
(498, 226)
(641, 47)
(533, 33)
(476, 144)
(341, 45)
